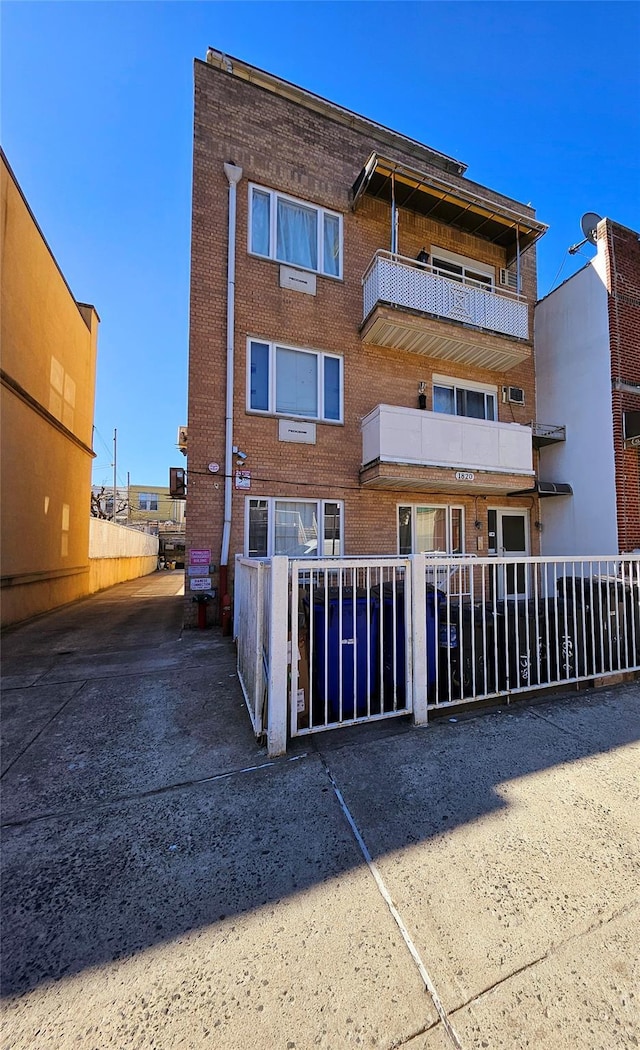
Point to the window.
(148, 501)
(297, 528)
(472, 399)
(284, 380)
(460, 268)
(427, 530)
(295, 232)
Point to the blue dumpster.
(394, 657)
(345, 632)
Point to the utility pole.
(128, 498)
(115, 456)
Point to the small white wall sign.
(465, 475)
(297, 280)
(200, 583)
(294, 430)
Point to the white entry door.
(509, 538)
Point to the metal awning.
(545, 489)
(429, 195)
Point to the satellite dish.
(588, 224)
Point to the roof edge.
(277, 86)
(12, 176)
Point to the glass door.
(509, 538)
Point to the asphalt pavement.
(471, 884)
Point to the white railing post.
(258, 685)
(238, 581)
(418, 627)
(277, 682)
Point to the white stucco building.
(587, 348)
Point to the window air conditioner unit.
(512, 395)
(509, 279)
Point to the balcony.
(547, 434)
(405, 448)
(406, 303)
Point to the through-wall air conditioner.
(177, 483)
(512, 395)
(509, 279)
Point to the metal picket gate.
(490, 627)
(348, 629)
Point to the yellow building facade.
(148, 503)
(48, 371)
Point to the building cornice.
(300, 96)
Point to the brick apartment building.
(361, 375)
(587, 336)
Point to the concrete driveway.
(472, 884)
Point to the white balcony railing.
(393, 434)
(407, 283)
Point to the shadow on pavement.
(105, 857)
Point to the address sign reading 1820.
(465, 475)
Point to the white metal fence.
(326, 643)
(250, 598)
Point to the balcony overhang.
(419, 333)
(455, 206)
(411, 449)
(547, 434)
(407, 477)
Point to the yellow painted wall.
(105, 572)
(49, 345)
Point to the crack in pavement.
(79, 812)
(619, 913)
(45, 726)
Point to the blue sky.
(541, 100)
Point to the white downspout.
(234, 174)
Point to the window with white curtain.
(430, 530)
(288, 381)
(293, 527)
(295, 232)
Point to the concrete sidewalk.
(471, 884)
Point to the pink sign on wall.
(199, 557)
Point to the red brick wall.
(280, 145)
(623, 279)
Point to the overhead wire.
(560, 269)
(109, 452)
(301, 484)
